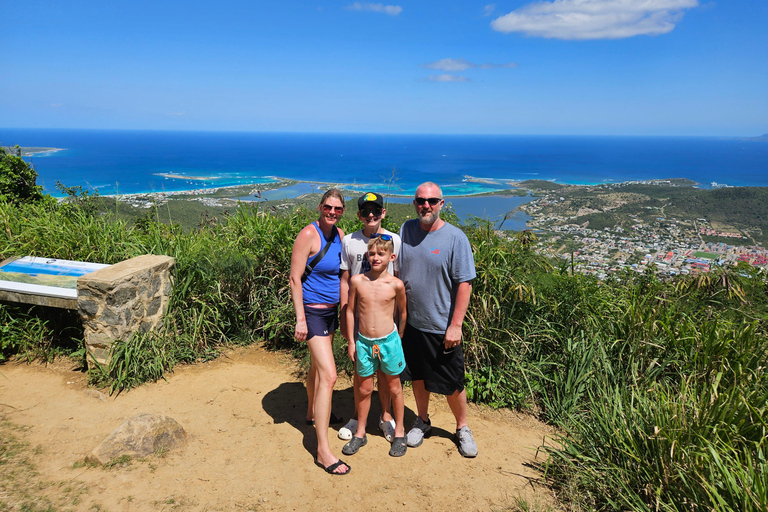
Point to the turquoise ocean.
(125, 161)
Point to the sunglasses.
(337, 209)
(368, 211)
(383, 236)
(431, 200)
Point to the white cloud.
(176, 113)
(488, 9)
(447, 78)
(594, 19)
(463, 65)
(392, 10)
(449, 65)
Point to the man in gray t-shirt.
(437, 267)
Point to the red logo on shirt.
(435, 251)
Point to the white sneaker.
(347, 431)
(388, 429)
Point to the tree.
(18, 180)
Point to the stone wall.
(122, 299)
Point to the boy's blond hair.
(375, 243)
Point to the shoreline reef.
(513, 187)
(34, 151)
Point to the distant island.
(760, 138)
(30, 151)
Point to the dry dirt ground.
(249, 447)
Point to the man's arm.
(400, 308)
(453, 333)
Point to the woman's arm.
(302, 248)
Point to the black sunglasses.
(337, 209)
(367, 211)
(383, 236)
(431, 200)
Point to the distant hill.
(760, 138)
(744, 208)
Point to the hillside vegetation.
(658, 387)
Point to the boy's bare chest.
(377, 292)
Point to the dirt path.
(249, 449)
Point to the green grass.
(706, 255)
(21, 487)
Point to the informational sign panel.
(44, 276)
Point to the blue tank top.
(322, 285)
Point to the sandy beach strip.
(185, 177)
(33, 151)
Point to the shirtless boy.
(373, 297)
(354, 260)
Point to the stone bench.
(114, 301)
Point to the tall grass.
(658, 388)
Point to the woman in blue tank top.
(316, 301)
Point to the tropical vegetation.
(657, 388)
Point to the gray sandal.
(355, 444)
(399, 447)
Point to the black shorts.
(427, 359)
(321, 321)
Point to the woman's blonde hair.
(334, 192)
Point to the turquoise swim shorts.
(385, 353)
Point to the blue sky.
(582, 67)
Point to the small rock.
(138, 437)
(93, 393)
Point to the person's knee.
(328, 378)
(395, 388)
(458, 397)
(366, 386)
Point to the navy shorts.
(427, 359)
(321, 321)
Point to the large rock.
(139, 436)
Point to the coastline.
(146, 161)
(277, 183)
(34, 151)
(280, 183)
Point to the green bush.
(18, 180)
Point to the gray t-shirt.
(354, 253)
(432, 265)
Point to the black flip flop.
(332, 468)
